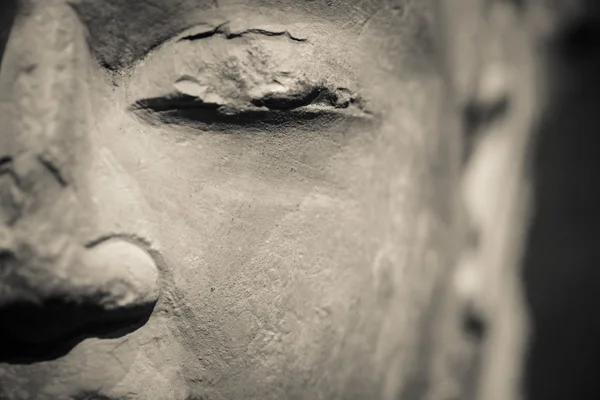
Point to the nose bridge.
(42, 80)
(43, 147)
(42, 98)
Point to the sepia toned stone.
(220, 199)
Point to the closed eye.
(300, 108)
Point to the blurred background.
(523, 91)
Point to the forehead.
(121, 31)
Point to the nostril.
(111, 291)
(121, 274)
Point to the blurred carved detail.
(523, 89)
(492, 73)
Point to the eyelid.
(271, 107)
(283, 93)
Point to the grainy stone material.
(243, 199)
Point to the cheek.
(288, 253)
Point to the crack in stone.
(226, 32)
(53, 170)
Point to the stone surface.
(220, 199)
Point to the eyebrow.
(123, 31)
(224, 30)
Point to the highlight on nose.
(107, 289)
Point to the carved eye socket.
(228, 78)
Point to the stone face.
(228, 199)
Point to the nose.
(53, 284)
